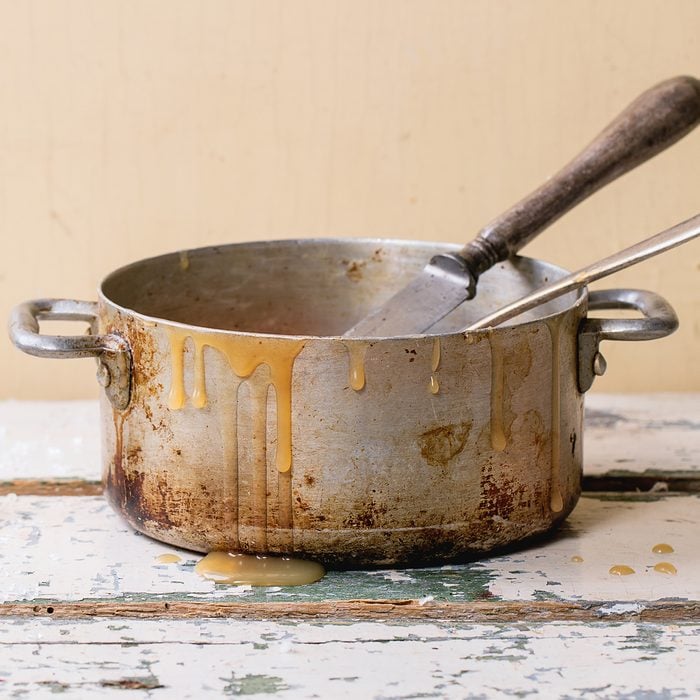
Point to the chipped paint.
(372, 660)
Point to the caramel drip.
(437, 354)
(434, 365)
(665, 567)
(662, 548)
(498, 436)
(244, 354)
(357, 349)
(176, 397)
(184, 260)
(556, 502)
(199, 394)
(621, 570)
(258, 496)
(229, 440)
(168, 559)
(258, 570)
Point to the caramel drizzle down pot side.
(245, 354)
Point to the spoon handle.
(661, 242)
(655, 120)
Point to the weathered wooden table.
(87, 610)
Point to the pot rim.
(155, 321)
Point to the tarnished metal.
(450, 445)
(659, 321)
(111, 351)
(655, 245)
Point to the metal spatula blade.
(443, 284)
(655, 120)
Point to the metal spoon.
(661, 242)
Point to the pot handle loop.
(659, 321)
(111, 350)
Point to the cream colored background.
(133, 128)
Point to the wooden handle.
(655, 120)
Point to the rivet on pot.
(599, 365)
(104, 377)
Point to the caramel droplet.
(576, 559)
(435, 362)
(662, 549)
(434, 384)
(168, 559)
(184, 260)
(258, 570)
(357, 351)
(664, 567)
(621, 570)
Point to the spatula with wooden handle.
(655, 120)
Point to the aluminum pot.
(236, 417)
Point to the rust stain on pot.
(147, 359)
(366, 514)
(500, 495)
(125, 488)
(439, 445)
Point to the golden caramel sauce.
(168, 559)
(258, 570)
(576, 559)
(498, 436)
(662, 548)
(556, 502)
(665, 567)
(437, 353)
(357, 349)
(621, 570)
(184, 260)
(434, 384)
(244, 354)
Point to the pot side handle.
(111, 351)
(659, 321)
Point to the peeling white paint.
(622, 609)
(58, 439)
(192, 659)
(604, 534)
(639, 432)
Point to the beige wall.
(133, 128)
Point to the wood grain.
(379, 610)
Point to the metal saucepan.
(236, 416)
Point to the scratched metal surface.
(630, 433)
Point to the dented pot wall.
(356, 453)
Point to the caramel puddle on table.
(498, 436)
(434, 385)
(357, 350)
(258, 570)
(621, 570)
(556, 502)
(244, 354)
(576, 559)
(168, 559)
(662, 548)
(665, 567)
